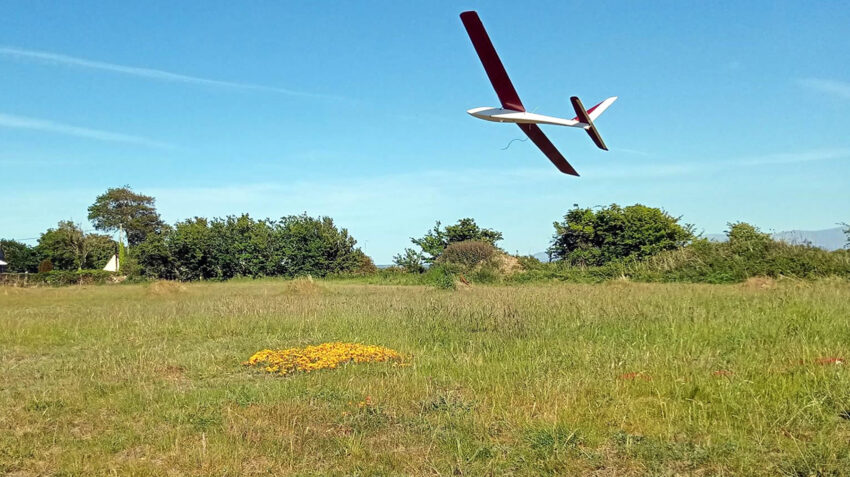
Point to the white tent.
(112, 264)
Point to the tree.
(748, 242)
(588, 237)
(68, 247)
(315, 246)
(119, 208)
(20, 256)
(64, 246)
(437, 239)
(365, 264)
(191, 249)
(99, 249)
(244, 246)
(847, 233)
(154, 256)
(410, 260)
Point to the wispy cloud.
(833, 87)
(631, 151)
(424, 189)
(35, 124)
(651, 170)
(795, 157)
(149, 73)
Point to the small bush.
(529, 262)
(45, 266)
(410, 261)
(165, 287)
(443, 276)
(129, 267)
(303, 286)
(486, 273)
(365, 264)
(468, 253)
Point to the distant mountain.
(542, 256)
(828, 239)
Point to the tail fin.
(587, 117)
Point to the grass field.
(610, 379)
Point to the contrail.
(35, 124)
(150, 73)
(837, 88)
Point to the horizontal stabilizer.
(584, 117)
(600, 108)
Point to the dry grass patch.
(304, 286)
(166, 287)
(759, 283)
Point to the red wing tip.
(569, 172)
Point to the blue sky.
(728, 111)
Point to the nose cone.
(477, 111)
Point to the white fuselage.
(501, 115)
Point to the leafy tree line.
(234, 246)
(66, 247)
(192, 249)
(635, 239)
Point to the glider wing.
(492, 64)
(536, 135)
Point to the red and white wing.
(492, 64)
(536, 135)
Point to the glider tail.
(589, 115)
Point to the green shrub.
(529, 262)
(410, 261)
(435, 241)
(129, 267)
(727, 262)
(443, 276)
(748, 253)
(468, 253)
(596, 237)
(66, 277)
(487, 272)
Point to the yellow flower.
(323, 356)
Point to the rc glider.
(512, 110)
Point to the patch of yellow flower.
(323, 356)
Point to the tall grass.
(619, 378)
